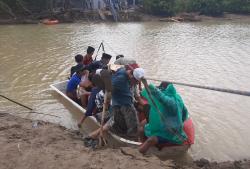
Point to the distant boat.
(91, 124)
(50, 21)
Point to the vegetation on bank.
(205, 7)
(14, 8)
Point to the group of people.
(113, 93)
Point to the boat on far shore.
(91, 124)
(50, 21)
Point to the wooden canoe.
(91, 124)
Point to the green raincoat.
(168, 123)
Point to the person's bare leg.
(81, 121)
(141, 131)
(84, 99)
(151, 141)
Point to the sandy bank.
(51, 146)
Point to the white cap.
(138, 73)
(98, 72)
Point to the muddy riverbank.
(36, 144)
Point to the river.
(208, 53)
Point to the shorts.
(124, 120)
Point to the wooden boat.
(91, 124)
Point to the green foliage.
(206, 7)
(181, 5)
(156, 7)
(159, 7)
(237, 6)
(22, 6)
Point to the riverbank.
(128, 16)
(27, 144)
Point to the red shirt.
(87, 60)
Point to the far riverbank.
(132, 16)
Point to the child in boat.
(85, 87)
(101, 81)
(88, 57)
(79, 61)
(74, 81)
(167, 115)
(100, 64)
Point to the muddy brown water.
(215, 54)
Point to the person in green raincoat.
(166, 117)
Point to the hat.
(80, 67)
(114, 67)
(106, 56)
(119, 56)
(138, 73)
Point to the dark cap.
(106, 56)
(119, 56)
(90, 49)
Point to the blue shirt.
(121, 94)
(73, 83)
(91, 102)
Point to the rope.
(16, 102)
(238, 92)
(26, 106)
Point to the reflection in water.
(214, 54)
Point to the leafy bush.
(206, 7)
(237, 6)
(160, 7)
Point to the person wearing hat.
(74, 82)
(100, 64)
(120, 60)
(88, 57)
(124, 118)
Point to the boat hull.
(91, 124)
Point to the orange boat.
(50, 22)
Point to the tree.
(206, 7)
(237, 6)
(160, 7)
